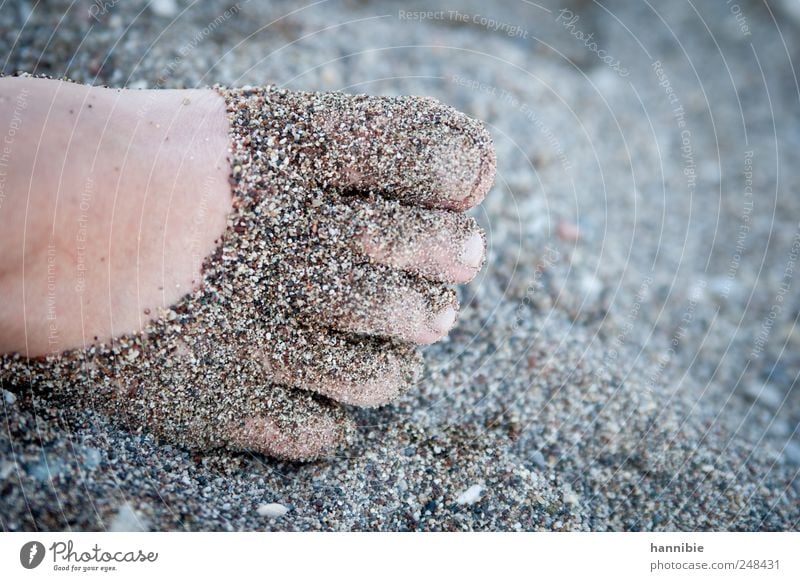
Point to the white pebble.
(9, 397)
(6, 468)
(538, 459)
(792, 452)
(272, 510)
(126, 520)
(164, 7)
(471, 495)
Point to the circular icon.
(31, 554)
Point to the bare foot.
(138, 282)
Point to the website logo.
(31, 554)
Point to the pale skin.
(111, 200)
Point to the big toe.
(414, 149)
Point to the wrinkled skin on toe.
(334, 264)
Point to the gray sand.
(627, 358)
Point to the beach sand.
(627, 358)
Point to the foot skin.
(317, 274)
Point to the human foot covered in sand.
(223, 268)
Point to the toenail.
(444, 321)
(472, 252)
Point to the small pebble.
(568, 232)
(471, 495)
(272, 510)
(165, 8)
(6, 468)
(126, 520)
(10, 398)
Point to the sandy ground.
(627, 360)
